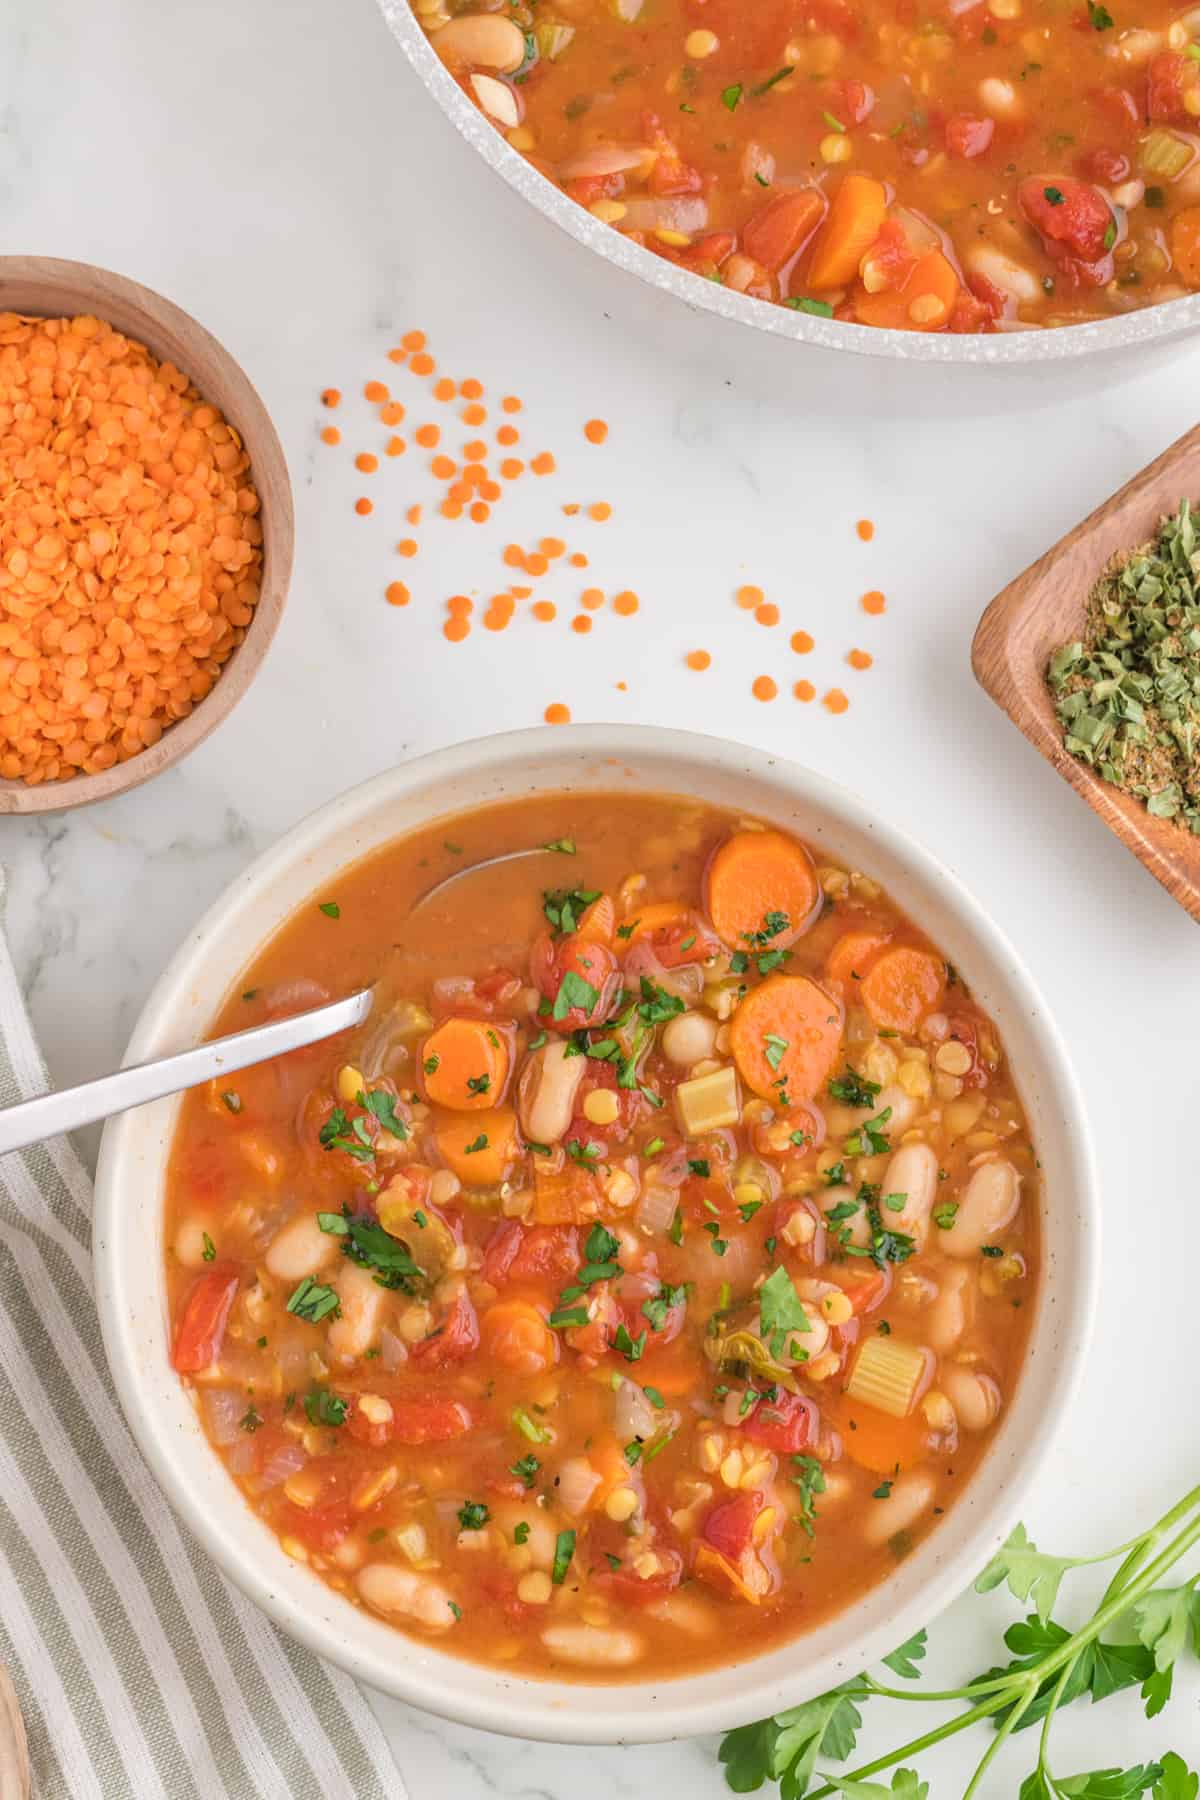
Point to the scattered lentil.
(763, 688)
(860, 659)
(804, 690)
(698, 659)
(865, 529)
(595, 431)
(835, 700)
(874, 602)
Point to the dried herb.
(1128, 694)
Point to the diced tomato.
(587, 189)
(989, 295)
(322, 1528)
(729, 1527)
(1104, 165)
(869, 1291)
(202, 1328)
(1075, 223)
(498, 987)
(429, 1419)
(669, 174)
(969, 25)
(786, 1425)
(969, 134)
(964, 1030)
(455, 1338)
(636, 1320)
(629, 1588)
(891, 256)
(591, 967)
(1120, 107)
(516, 1252)
(1167, 76)
(969, 314)
(857, 102)
(713, 247)
(687, 941)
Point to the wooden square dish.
(1046, 607)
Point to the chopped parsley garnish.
(455, 1608)
(209, 1251)
(473, 1515)
(675, 1232)
(337, 1133)
(764, 86)
(992, 1250)
(477, 1144)
(654, 1146)
(780, 1310)
(719, 1244)
(250, 1419)
(870, 1138)
(945, 1214)
(564, 907)
(330, 908)
(368, 1244)
(381, 1106)
(820, 309)
(585, 1153)
(521, 1531)
(747, 1209)
(699, 1165)
(739, 962)
(1100, 17)
(311, 1301)
(810, 1479)
(432, 1064)
(799, 1138)
(526, 1471)
(564, 846)
(730, 97)
(631, 1348)
(654, 1397)
(1053, 195)
(656, 1308)
(575, 992)
(656, 1005)
(419, 1219)
(633, 1452)
(882, 1491)
(563, 1317)
(564, 1550)
(886, 1246)
(835, 1175)
(478, 1084)
(776, 1048)
(324, 1408)
(853, 1089)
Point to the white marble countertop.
(271, 168)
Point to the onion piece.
(577, 1482)
(288, 997)
(393, 1351)
(281, 1465)
(633, 1415)
(668, 212)
(222, 1410)
(240, 1459)
(656, 1209)
(603, 159)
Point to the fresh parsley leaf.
(1030, 1575)
(730, 96)
(478, 1084)
(945, 1214)
(312, 1301)
(870, 1138)
(656, 1308)
(324, 1408)
(904, 1659)
(853, 1089)
(780, 1306)
(565, 907)
(810, 1479)
(388, 1258)
(526, 1470)
(906, 1785)
(775, 1048)
(1176, 1781)
(631, 1348)
(786, 1748)
(382, 1106)
(330, 908)
(574, 993)
(473, 1515)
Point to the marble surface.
(272, 168)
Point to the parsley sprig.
(1049, 1668)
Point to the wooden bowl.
(54, 289)
(1046, 607)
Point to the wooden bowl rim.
(269, 468)
(1023, 623)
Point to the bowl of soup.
(973, 181)
(663, 1304)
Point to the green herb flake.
(564, 1550)
(473, 1515)
(209, 1250)
(330, 908)
(731, 96)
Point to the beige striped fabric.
(141, 1674)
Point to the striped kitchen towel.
(141, 1673)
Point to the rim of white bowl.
(167, 1428)
(1148, 325)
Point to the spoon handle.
(30, 1121)
(14, 1748)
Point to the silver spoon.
(30, 1121)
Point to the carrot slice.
(654, 918)
(858, 210)
(902, 986)
(785, 1037)
(761, 889)
(852, 955)
(924, 303)
(563, 1195)
(1185, 244)
(877, 1442)
(479, 1149)
(464, 1065)
(516, 1334)
(774, 235)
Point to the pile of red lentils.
(473, 474)
(130, 547)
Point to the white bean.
(546, 1100)
(190, 1247)
(486, 40)
(1004, 272)
(948, 1316)
(362, 1302)
(300, 1249)
(988, 1206)
(391, 1589)
(913, 1172)
(857, 1226)
(975, 1398)
(498, 100)
(540, 1537)
(902, 1107)
(591, 1644)
(909, 1498)
(688, 1038)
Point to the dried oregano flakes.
(1128, 693)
